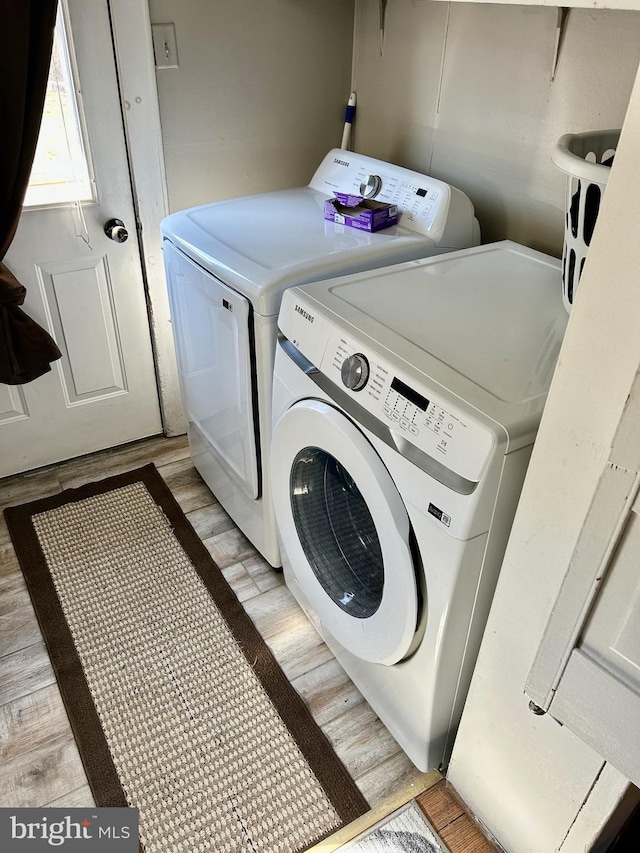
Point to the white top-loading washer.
(406, 402)
(227, 266)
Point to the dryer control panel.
(425, 204)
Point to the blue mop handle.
(348, 120)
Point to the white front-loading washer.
(406, 402)
(227, 266)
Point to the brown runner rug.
(177, 705)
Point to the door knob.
(115, 230)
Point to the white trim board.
(131, 23)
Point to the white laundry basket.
(586, 158)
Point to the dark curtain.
(26, 349)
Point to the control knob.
(371, 186)
(355, 371)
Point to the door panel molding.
(78, 293)
(13, 405)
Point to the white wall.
(259, 96)
(466, 94)
(526, 776)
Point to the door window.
(60, 171)
(337, 532)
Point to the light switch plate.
(164, 45)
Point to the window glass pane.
(337, 532)
(60, 171)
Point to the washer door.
(346, 532)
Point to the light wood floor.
(40, 765)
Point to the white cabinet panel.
(612, 634)
(587, 669)
(601, 710)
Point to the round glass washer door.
(345, 532)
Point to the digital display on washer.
(412, 396)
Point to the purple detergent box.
(362, 213)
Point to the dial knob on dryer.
(355, 371)
(371, 186)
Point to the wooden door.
(84, 288)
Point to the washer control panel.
(419, 414)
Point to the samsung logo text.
(305, 314)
